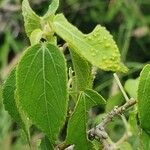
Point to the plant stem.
(99, 130)
(121, 87)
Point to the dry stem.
(99, 130)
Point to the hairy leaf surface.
(41, 85)
(83, 71)
(144, 98)
(52, 8)
(31, 19)
(77, 126)
(98, 47)
(10, 102)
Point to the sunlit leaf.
(52, 8)
(98, 47)
(36, 36)
(31, 19)
(42, 90)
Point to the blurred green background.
(127, 20)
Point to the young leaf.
(52, 8)
(42, 90)
(10, 103)
(31, 20)
(83, 71)
(98, 47)
(77, 133)
(36, 36)
(144, 98)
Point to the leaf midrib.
(44, 92)
(73, 35)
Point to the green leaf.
(42, 87)
(36, 36)
(45, 144)
(8, 97)
(77, 134)
(0, 95)
(83, 72)
(131, 86)
(31, 19)
(11, 104)
(98, 47)
(144, 141)
(52, 8)
(144, 98)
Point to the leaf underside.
(42, 90)
(83, 72)
(52, 8)
(31, 19)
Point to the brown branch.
(99, 130)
